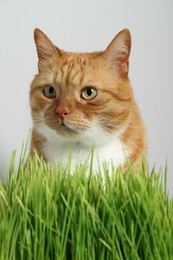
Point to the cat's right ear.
(46, 50)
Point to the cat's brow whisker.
(48, 70)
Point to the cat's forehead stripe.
(72, 71)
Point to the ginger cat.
(84, 100)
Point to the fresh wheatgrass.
(49, 213)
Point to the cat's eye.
(49, 91)
(89, 93)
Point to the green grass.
(50, 214)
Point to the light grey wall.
(89, 25)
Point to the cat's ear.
(45, 48)
(117, 53)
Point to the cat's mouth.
(66, 130)
(64, 126)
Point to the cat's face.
(84, 94)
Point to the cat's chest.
(56, 148)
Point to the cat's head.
(82, 94)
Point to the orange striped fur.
(112, 114)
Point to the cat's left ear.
(117, 53)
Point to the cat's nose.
(62, 112)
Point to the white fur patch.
(107, 148)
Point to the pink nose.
(62, 112)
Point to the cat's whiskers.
(120, 133)
(131, 142)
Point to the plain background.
(89, 25)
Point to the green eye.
(89, 93)
(49, 92)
